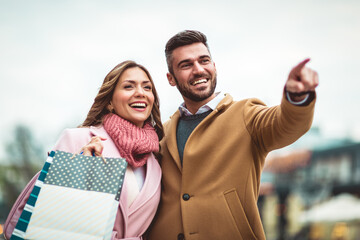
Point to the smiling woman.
(133, 98)
(126, 80)
(125, 118)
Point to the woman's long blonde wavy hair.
(99, 108)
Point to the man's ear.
(171, 79)
(215, 68)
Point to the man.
(214, 147)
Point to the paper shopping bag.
(75, 197)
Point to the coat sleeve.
(18, 207)
(276, 127)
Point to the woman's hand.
(94, 147)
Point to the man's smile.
(203, 80)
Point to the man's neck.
(193, 106)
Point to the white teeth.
(199, 81)
(142, 105)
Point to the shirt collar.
(208, 106)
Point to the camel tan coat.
(214, 194)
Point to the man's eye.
(205, 60)
(185, 65)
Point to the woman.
(125, 117)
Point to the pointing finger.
(300, 66)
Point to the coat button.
(186, 196)
(180, 236)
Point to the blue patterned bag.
(75, 197)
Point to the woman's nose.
(139, 91)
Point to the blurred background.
(55, 55)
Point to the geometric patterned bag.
(74, 197)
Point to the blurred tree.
(24, 157)
(24, 151)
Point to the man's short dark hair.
(183, 38)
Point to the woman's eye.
(148, 87)
(127, 86)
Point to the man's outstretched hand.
(301, 81)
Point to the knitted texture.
(134, 143)
(185, 127)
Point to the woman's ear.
(110, 107)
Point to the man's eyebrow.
(189, 60)
(205, 56)
(183, 61)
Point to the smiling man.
(214, 147)
(194, 74)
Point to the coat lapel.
(169, 141)
(151, 184)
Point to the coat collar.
(170, 129)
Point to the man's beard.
(187, 92)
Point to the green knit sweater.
(185, 127)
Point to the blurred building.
(304, 177)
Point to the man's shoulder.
(244, 103)
(172, 118)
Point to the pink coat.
(130, 223)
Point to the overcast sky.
(54, 55)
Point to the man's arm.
(279, 126)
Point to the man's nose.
(198, 69)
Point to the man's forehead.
(191, 51)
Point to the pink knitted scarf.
(134, 143)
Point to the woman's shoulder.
(75, 131)
(72, 139)
(84, 131)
